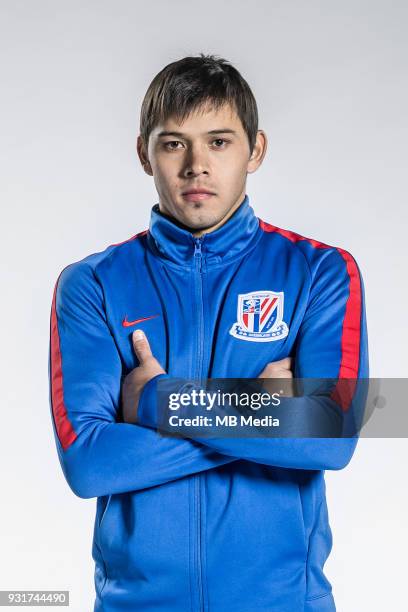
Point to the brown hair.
(193, 82)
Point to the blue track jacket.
(215, 524)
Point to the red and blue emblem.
(260, 317)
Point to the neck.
(229, 240)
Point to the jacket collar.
(175, 244)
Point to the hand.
(136, 379)
(279, 369)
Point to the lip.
(194, 195)
(198, 190)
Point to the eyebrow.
(220, 131)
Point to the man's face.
(208, 151)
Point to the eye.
(171, 142)
(222, 140)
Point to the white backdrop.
(330, 81)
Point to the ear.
(259, 151)
(142, 153)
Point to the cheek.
(234, 164)
(165, 176)
(233, 174)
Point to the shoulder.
(83, 276)
(317, 254)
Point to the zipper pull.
(197, 250)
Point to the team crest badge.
(260, 317)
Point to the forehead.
(202, 121)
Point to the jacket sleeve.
(100, 455)
(331, 343)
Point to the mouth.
(194, 195)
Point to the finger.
(141, 345)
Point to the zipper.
(198, 267)
(198, 373)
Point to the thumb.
(284, 363)
(141, 345)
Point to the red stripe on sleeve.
(350, 337)
(65, 431)
(350, 341)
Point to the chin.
(200, 223)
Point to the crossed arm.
(100, 455)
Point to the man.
(209, 290)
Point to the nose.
(196, 162)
